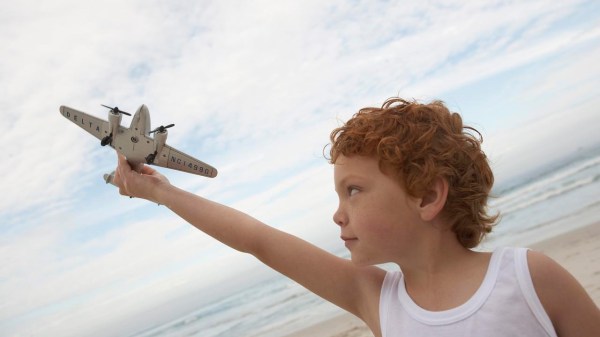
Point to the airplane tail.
(108, 178)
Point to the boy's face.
(378, 221)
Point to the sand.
(577, 251)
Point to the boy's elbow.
(254, 241)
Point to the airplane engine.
(159, 141)
(160, 137)
(114, 120)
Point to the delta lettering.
(82, 121)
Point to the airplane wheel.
(105, 141)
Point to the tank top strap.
(528, 290)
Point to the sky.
(254, 88)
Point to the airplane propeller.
(162, 128)
(116, 110)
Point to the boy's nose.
(339, 217)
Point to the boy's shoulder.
(547, 276)
(565, 301)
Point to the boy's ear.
(432, 203)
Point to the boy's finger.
(123, 164)
(147, 170)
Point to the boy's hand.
(144, 184)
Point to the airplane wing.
(174, 159)
(94, 125)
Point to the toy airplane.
(135, 142)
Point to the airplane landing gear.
(106, 140)
(150, 158)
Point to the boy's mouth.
(348, 240)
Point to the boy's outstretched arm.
(355, 289)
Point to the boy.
(413, 186)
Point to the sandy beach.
(577, 251)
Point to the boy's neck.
(443, 274)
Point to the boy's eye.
(352, 190)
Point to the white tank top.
(504, 305)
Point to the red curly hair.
(419, 143)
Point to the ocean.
(549, 204)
